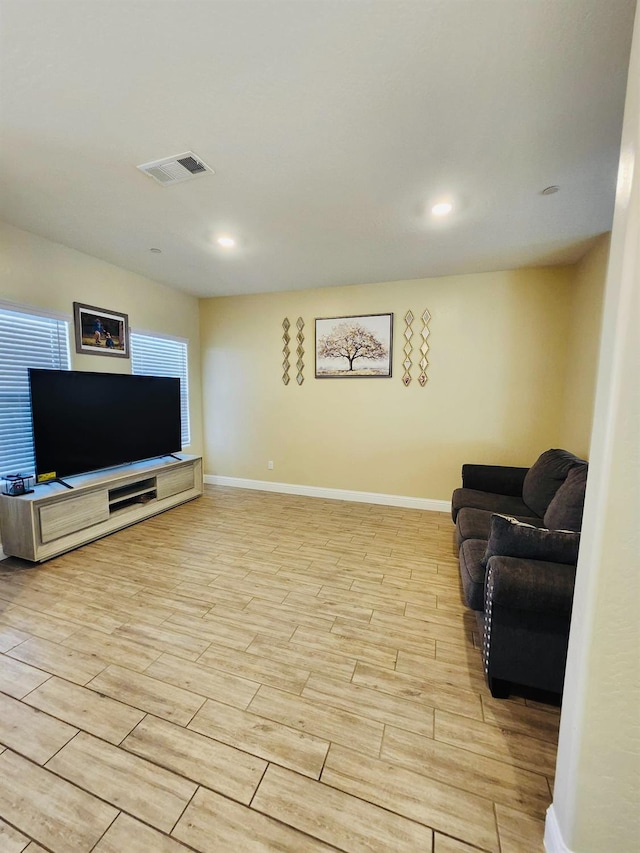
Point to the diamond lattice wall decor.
(300, 350)
(424, 348)
(407, 349)
(286, 325)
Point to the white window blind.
(157, 356)
(26, 340)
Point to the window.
(152, 355)
(26, 340)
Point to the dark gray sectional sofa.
(518, 535)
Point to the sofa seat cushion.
(476, 523)
(472, 572)
(544, 478)
(506, 504)
(511, 538)
(565, 510)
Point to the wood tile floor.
(260, 672)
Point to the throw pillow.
(512, 538)
(565, 510)
(545, 477)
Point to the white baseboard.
(553, 840)
(331, 494)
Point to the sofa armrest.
(497, 479)
(531, 585)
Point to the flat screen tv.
(86, 421)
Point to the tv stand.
(48, 522)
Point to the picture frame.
(100, 331)
(354, 347)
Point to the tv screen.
(85, 421)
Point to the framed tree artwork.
(354, 347)
(100, 332)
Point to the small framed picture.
(101, 332)
(354, 347)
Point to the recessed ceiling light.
(226, 242)
(156, 251)
(442, 209)
(550, 190)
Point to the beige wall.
(512, 367)
(597, 786)
(583, 345)
(495, 391)
(47, 275)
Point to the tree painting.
(354, 346)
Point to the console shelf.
(134, 493)
(54, 519)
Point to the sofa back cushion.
(545, 477)
(512, 538)
(565, 510)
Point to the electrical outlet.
(270, 465)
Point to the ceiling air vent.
(175, 170)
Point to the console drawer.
(72, 514)
(174, 481)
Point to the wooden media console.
(54, 519)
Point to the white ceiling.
(332, 126)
